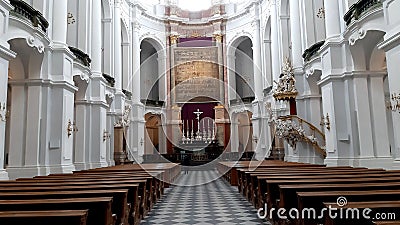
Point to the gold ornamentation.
(321, 13)
(106, 135)
(71, 128)
(326, 122)
(195, 34)
(70, 19)
(3, 112)
(218, 37)
(174, 39)
(394, 104)
(286, 86)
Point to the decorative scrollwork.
(289, 131)
(394, 104)
(3, 112)
(124, 121)
(294, 129)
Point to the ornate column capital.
(174, 39)
(218, 37)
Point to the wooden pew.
(99, 208)
(270, 184)
(151, 178)
(147, 193)
(387, 208)
(315, 200)
(59, 217)
(254, 191)
(288, 193)
(131, 187)
(397, 222)
(120, 204)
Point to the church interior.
(121, 112)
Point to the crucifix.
(198, 113)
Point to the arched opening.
(244, 69)
(125, 46)
(25, 123)
(107, 28)
(285, 34)
(267, 53)
(313, 101)
(149, 72)
(372, 121)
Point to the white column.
(295, 35)
(276, 70)
(332, 18)
(3, 109)
(258, 82)
(162, 76)
(231, 76)
(96, 39)
(137, 128)
(234, 135)
(379, 118)
(117, 46)
(60, 23)
(97, 90)
(136, 64)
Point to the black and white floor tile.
(200, 198)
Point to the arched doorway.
(153, 133)
(246, 142)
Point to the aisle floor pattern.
(200, 198)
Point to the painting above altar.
(196, 75)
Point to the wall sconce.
(325, 122)
(106, 135)
(255, 139)
(71, 128)
(394, 104)
(3, 112)
(141, 142)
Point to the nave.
(202, 198)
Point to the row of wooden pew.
(119, 195)
(297, 188)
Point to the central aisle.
(201, 198)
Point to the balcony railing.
(246, 100)
(127, 94)
(109, 79)
(81, 56)
(312, 51)
(155, 103)
(359, 8)
(24, 9)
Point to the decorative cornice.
(6, 53)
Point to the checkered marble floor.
(200, 198)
